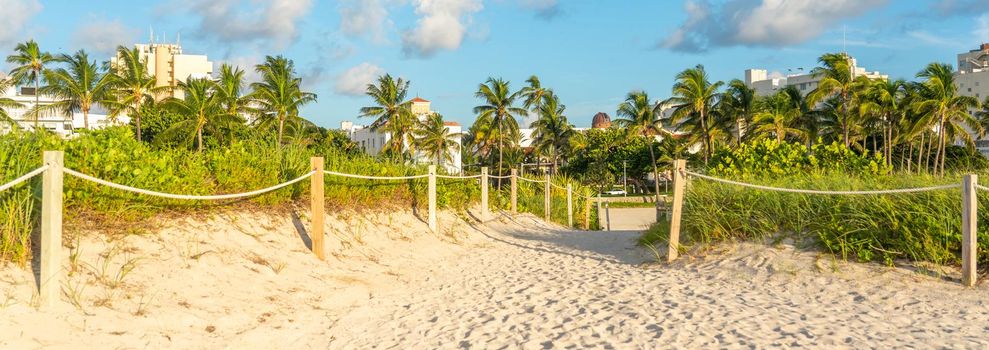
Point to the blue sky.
(591, 52)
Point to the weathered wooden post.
(679, 185)
(969, 229)
(587, 210)
(432, 198)
(547, 192)
(51, 229)
(600, 217)
(607, 215)
(485, 213)
(316, 210)
(515, 191)
(569, 205)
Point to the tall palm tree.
(230, 90)
(738, 101)
(694, 97)
(132, 85)
(837, 81)
(498, 111)
(641, 117)
(436, 140)
(80, 87)
(279, 95)
(391, 112)
(30, 63)
(882, 100)
(938, 98)
(776, 116)
(552, 133)
(534, 94)
(8, 103)
(201, 105)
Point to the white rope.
(24, 177)
(500, 177)
(558, 186)
(984, 188)
(795, 190)
(183, 196)
(411, 177)
(530, 180)
(458, 177)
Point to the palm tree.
(30, 61)
(202, 105)
(391, 112)
(776, 116)
(498, 111)
(435, 139)
(738, 101)
(641, 117)
(939, 99)
(78, 88)
(837, 82)
(552, 132)
(8, 103)
(229, 90)
(132, 85)
(882, 100)
(278, 96)
(694, 97)
(534, 94)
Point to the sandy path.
(542, 288)
(630, 219)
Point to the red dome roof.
(601, 121)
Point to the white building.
(372, 142)
(764, 84)
(58, 123)
(972, 79)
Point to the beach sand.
(245, 280)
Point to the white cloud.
(103, 37)
(272, 23)
(245, 63)
(770, 23)
(353, 81)
(934, 39)
(14, 15)
(442, 26)
(365, 17)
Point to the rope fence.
(185, 196)
(823, 192)
(52, 190)
(23, 178)
(969, 187)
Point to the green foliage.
(115, 155)
(923, 226)
(772, 158)
(604, 153)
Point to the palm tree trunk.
(85, 118)
(707, 146)
(137, 117)
(920, 152)
(281, 129)
(944, 148)
(501, 145)
(37, 98)
(199, 138)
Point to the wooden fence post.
(679, 185)
(587, 210)
(569, 205)
(51, 229)
(600, 211)
(316, 211)
(607, 215)
(970, 217)
(547, 193)
(432, 198)
(515, 191)
(485, 212)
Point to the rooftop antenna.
(844, 35)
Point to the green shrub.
(772, 158)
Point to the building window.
(976, 83)
(969, 89)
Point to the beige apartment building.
(170, 66)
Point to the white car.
(615, 192)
